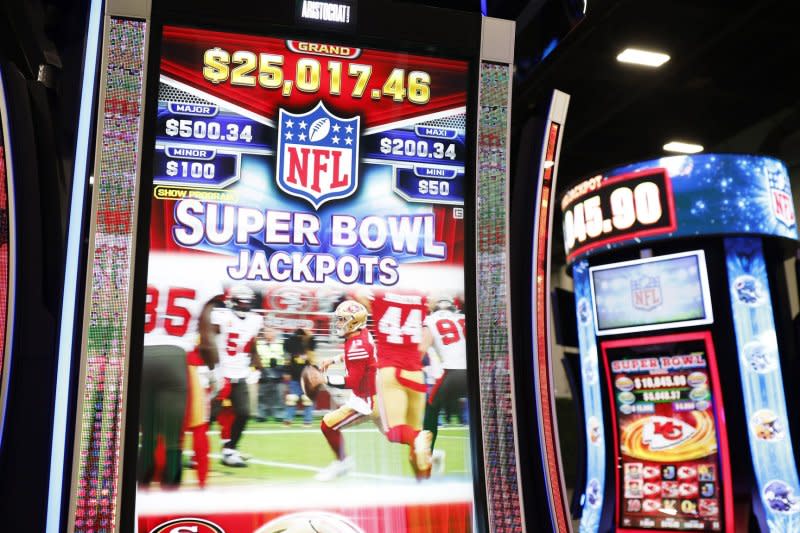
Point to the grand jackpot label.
(668, 445)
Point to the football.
(311, 380)
(319, 129)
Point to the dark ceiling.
(729, 86)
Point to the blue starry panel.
(592, 498)
(717, 194)
(762, 386)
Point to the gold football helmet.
(350, 316)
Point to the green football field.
(295, 453)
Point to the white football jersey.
(174, 301)
(234, 341)
(447, 329)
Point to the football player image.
(163, 399)
(179, 349)
(270, 400)
(238, 326)
(444, 331)
(360, 365)
(202, 386)
(299, 348)
(397, 321)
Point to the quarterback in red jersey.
(360, 365)
(397, 320)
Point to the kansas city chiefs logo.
(317, 155)
(662, 433)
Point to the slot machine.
(685, 334)
(6, 263)
(29, 261)
(276, 187)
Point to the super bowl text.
(220, 225)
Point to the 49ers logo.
(187, 525)
(317, 155)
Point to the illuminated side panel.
(6, 253)
(762, 386)
(545, 393)
(99, 434)
(493, 316)
(592, 402)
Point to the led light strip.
(496, 367)
(762, 386)
(7, 327)
(74, 237)
(592, 500)
(540, 315)
(101, 407)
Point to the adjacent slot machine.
(30, 252)
(6, 247)
(685, 334)
(295, 210)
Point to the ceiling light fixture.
(683, 148)
(642, 57)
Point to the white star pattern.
(349, 129)
(289, 123)
(336, 128)
(335, 139)
(301, 137)
(348, 141)
(289, 136)
(302, 124)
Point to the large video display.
(669, 442)
(304, 354)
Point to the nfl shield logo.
(646, 293)
(317, 155)
(782, 205)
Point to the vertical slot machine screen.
(666, 410)
(307, 210)
(667, 291)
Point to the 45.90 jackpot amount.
(602, 210)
